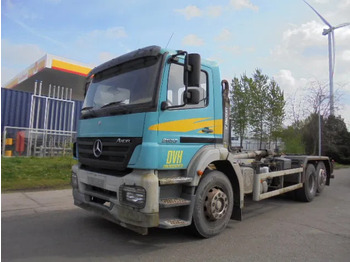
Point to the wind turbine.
(331, 53)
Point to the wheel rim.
(322, 175)
(216, 204)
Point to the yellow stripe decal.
(188, 125)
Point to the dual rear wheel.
(315, 181)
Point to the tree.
(258, 105)
(314, 104)
(240, 102)
(310, 134)
(312, 98)
(317, 102)
(336, 140)
(275, 108)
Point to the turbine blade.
(341, 25)
(320, 16)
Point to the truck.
(153, 148)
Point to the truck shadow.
(78, 234)
(254, 209)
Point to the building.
(40, 107)
(55, 71)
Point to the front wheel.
(213, 204)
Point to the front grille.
(116, 152)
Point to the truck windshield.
(129, 86)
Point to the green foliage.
(340, 166)
(22, 173)
(334, 134)
(310, 134)
(257, 105)
(292, 139)
(275, 108)
(239, 102)
(258, 112)
(336, 140)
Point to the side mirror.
(164, 105)
(192, 96)
(194, 62)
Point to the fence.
(255, 145)
(16, 107)
(21, 141)
(51, 125)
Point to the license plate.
(96, 180)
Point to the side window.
(176, 88)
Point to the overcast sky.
(281, 37)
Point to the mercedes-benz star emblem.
(97, 148)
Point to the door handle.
(207, 130)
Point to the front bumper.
(100, 194)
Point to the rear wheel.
(308, 191)
(321, 173)
(213, 204)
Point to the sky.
(283, 38)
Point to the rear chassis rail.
(257, 196)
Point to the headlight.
(134, 196)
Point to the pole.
(4, 140)
(330, 55)
(319, 133)
(319, 127)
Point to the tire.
(321, 173)
(213, 205)
(308, 191)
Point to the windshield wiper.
(121, 102)
(87, 112)
(87, 108)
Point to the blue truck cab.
(151, 146)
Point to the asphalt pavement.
(46, 226)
